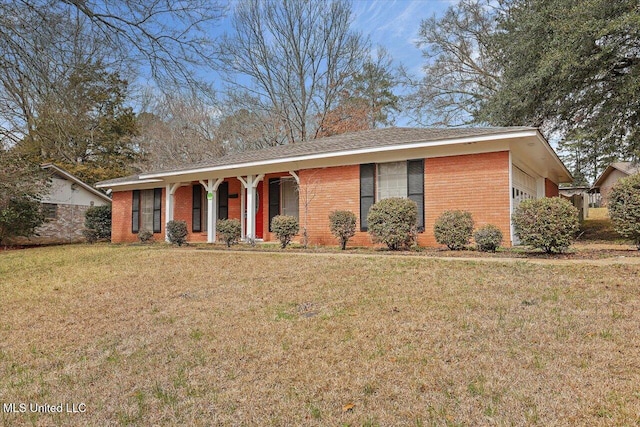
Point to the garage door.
(524, 188)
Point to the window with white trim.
(283, 198)
(393, 179)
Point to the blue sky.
(394, 24)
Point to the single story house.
(64, 207)
(487, 171)
(612, 174)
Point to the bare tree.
(459, 74)
(177, 129)
(43, 41)
(310, 186)
(171, 37)
(294, 57)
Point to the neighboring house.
(64, 207)
(612, 174)
(487, 171)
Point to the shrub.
(91, 236)
(145, 236)
(177, 232)
(488, 238)
(624, 207)
(549, 224)
(98, 219)
(454, 229)
(343, 226)
(230, 230)
(285, 227)
(393, 222)
(19, 216)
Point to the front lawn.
(150, 335)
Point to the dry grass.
(597, 228)
(598, 213)
(157, 336)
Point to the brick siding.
(478, 183)
(550, 188)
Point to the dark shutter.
(367, 192)
(196, 212)
(274, 199)
(223, 200)
(415, 188)
(135, 212)
(157, 210)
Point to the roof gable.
(63, 174)
(627, 168)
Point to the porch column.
(170, 191)
(250, 184)
(243, 211)
(212, 212)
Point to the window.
(200, 206)
(50, 211)
(283, 198)
(289, 197)
(199, 209)
(146, 212)
(223, 200)
(394, 179)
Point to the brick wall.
(551, 188)
(66, 228)
(478, 183)
(121, 202)
(121, 217)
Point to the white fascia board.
(553, 153)
(409, 145)
(123, 183)
(76, 180)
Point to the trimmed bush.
(343, 226)
(97, 223)
(393, 222)
(177, 232)
(549, 224)
(624, 208)
(488, 238)
(454, 229)
(229, 230)
(145, 236)
(285, 227)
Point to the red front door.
(259, 210)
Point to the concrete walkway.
(614, 260)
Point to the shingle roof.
(349, 141)
(368, 139)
